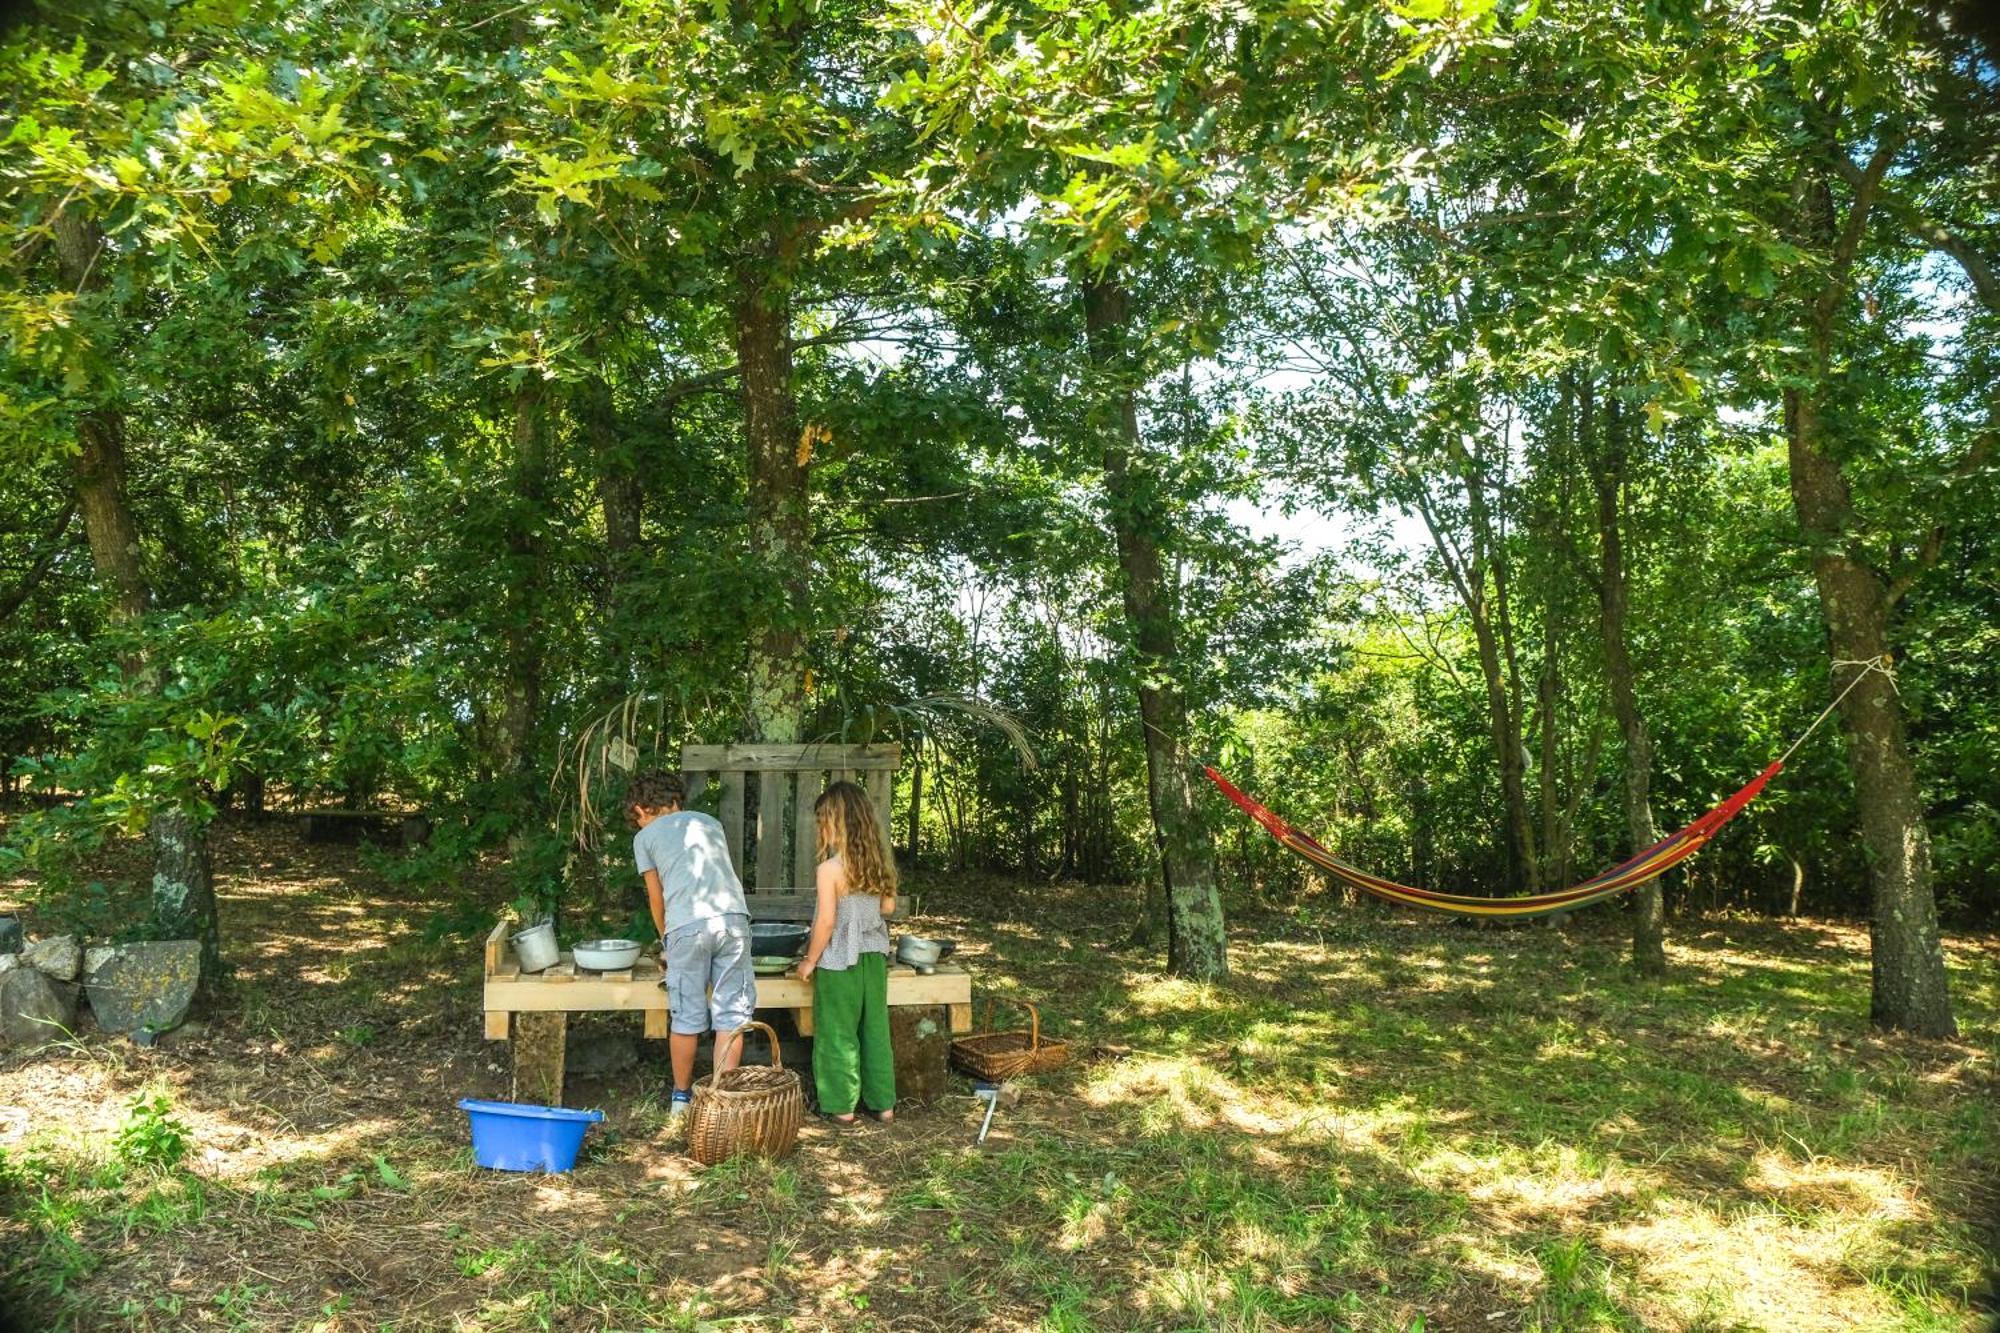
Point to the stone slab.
(150, 984)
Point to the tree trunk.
(1649, 950)
(183, 882)
(1196, 937)
(184, 885)
(1496, 660)
(521, 634)
(619, 494)
(1907, 958)
(1548, 688)
(780, 532)
(1504, 725)
(1909, 990)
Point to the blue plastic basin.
(513, 1136)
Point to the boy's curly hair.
(656, 790)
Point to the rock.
(145, 985)
(10, 934)
(601, 1054)
(9, 961)
(34, 1008)
(59, 956)
(95, 957)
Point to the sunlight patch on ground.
(1826, 1187)
(1769, 1266)
(1555, 1184)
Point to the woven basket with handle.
(996, 1056)
(755, 1110)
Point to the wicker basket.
(754, 1110)
(996, 1056)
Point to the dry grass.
(1375, 1122)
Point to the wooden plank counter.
(565, 989)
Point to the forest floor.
(1376, 1123)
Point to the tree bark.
(183, 881)
(1909, 990)
(184, 886)
(1496, 668)
(521, 641)
(619, 495)
(1605, 451)
(1909, 987)
(780, 524)
(1196, 936)
(1504, 725)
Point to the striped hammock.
(1649, 864)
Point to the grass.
(1374, 1124)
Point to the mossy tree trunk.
(1195, 935)
(1604, 449)
(1909, 990)
(780, 528)
(183, 880)
(526, 586)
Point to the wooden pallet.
(784, 780)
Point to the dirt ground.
(1377, 1123)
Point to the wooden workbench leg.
(659, 1024)
(961, 1017)
(922, 1050)
(496, 1025)
(539, 1043)
(802, 1017)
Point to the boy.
(704, 924)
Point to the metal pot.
(918, 951)
(536, 947)
(607, 955)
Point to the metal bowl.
(607, 955)
(772, 939)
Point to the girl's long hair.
(849, 830)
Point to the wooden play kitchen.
(763, 795)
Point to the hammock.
(1649, 864)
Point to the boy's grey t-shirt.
(692, 855)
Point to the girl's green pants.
(851, 1037)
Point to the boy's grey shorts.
(709, 981)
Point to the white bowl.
(607, 955)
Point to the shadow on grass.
(1373, 1119)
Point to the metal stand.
(990, 1094)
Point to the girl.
(847, 959)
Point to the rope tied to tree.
(1869, 665)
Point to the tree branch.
(51, 548)
(1932, 233)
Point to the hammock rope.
(1641, 868)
